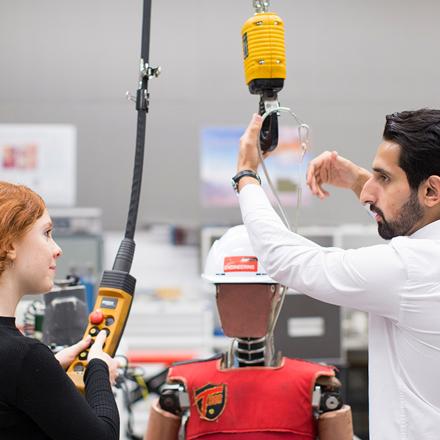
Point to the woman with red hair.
(37, 398)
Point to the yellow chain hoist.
(265, 65)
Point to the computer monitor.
(309, 329)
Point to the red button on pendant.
(96, 317)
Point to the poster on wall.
(218, 163)
(42, 157)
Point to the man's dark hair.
(418, 134)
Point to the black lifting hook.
(269, 130)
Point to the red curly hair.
(20, 208)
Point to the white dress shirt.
(398, 283)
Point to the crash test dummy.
(250, 392)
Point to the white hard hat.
(231, 259)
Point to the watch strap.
(244, 173)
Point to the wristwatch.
(240, 174)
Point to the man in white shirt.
(398, 283)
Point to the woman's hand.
(67, 356)
(96, 352)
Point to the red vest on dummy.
(251, 403)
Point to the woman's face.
(35, 256)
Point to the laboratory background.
(70, 71)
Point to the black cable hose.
(142, 109)
(145, 46)
(137, 176)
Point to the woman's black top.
(39, 401)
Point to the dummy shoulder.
(198, 361)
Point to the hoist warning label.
(245, 46)
(241, 264)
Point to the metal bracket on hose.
(146, 71)
(142, 98)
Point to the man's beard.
(410, 213)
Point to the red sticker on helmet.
(241, 264)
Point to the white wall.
(350, 62)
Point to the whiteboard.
(42, 157)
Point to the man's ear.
(431, 191)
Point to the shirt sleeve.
(47, 395)
(367, 279)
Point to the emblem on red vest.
(210, 401)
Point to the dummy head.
(246, 296)
(246, 310)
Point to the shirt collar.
(431, 230)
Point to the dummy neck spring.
(250, 351)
